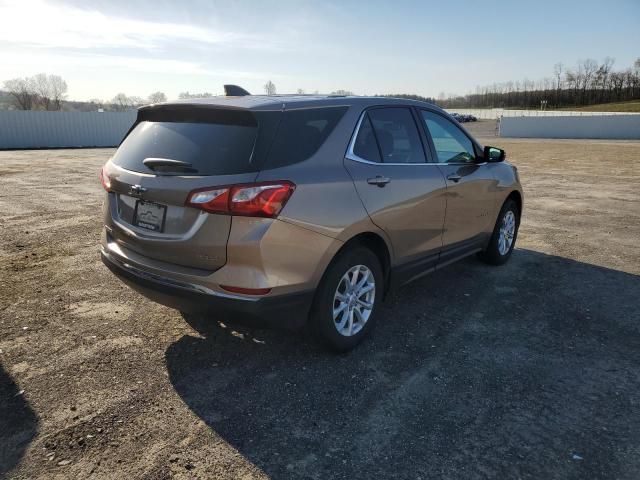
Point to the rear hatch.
(170, 151)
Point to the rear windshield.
(219, 142)
(210, 148)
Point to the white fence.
(621, 127)
(39, 129)
(493, 113)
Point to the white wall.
(604, 126)
(40, 129)
(493, 113)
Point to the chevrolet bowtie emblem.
(137, 190)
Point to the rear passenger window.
(397, 135)
(301, 133)
(366, 146)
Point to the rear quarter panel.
(325, 199)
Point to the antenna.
(235, 91)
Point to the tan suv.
(296, 208)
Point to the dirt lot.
(531, 370)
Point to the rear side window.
(301, 133)
(210, 148)
(366, 146)
(397, 135)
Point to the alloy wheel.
(353, 300)
(507, 232)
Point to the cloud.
(47, 61)
(63, 26)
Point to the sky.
(103, 47)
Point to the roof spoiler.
(235, 91)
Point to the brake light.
(251, 200)
(104, 179)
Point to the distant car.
(463, 118)
(458, 117)
(296, 209)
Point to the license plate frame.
(155, 215)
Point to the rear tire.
(347, 301)
(503, 239)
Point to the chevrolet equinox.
(300, 209)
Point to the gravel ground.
(531, 370)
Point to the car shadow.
(18, 423)
(527, 370)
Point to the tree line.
(49, 92)
(587, 83)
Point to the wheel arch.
(516, 196)
(377, 245)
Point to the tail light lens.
(251, 200)
(104, 180)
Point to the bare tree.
(557, 72)
(96, 103)
(617, 84)
(157, 97)
(57, 90)
(46, 91)
(122, 102)
(50, 89)
(42, 90)
(601, 79)
(184, 95)
(23, 92)
(135, 101)
(589, 68)
(342, 92)
(270, 88)
(300, 91)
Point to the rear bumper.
(287, 310)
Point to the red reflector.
(246, 291)
(265, 199)
(104, 180)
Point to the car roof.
(288, 102)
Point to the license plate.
(149, 215)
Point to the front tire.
(504, 235)
(346, 304)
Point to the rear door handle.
(454, 177)
(378, 180)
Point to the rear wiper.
(152, 163)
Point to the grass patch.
(631, 106)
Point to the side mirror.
(494, 154)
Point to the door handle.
(378, 180)
(454, 177)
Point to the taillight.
(104, 179)
(251, 200)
